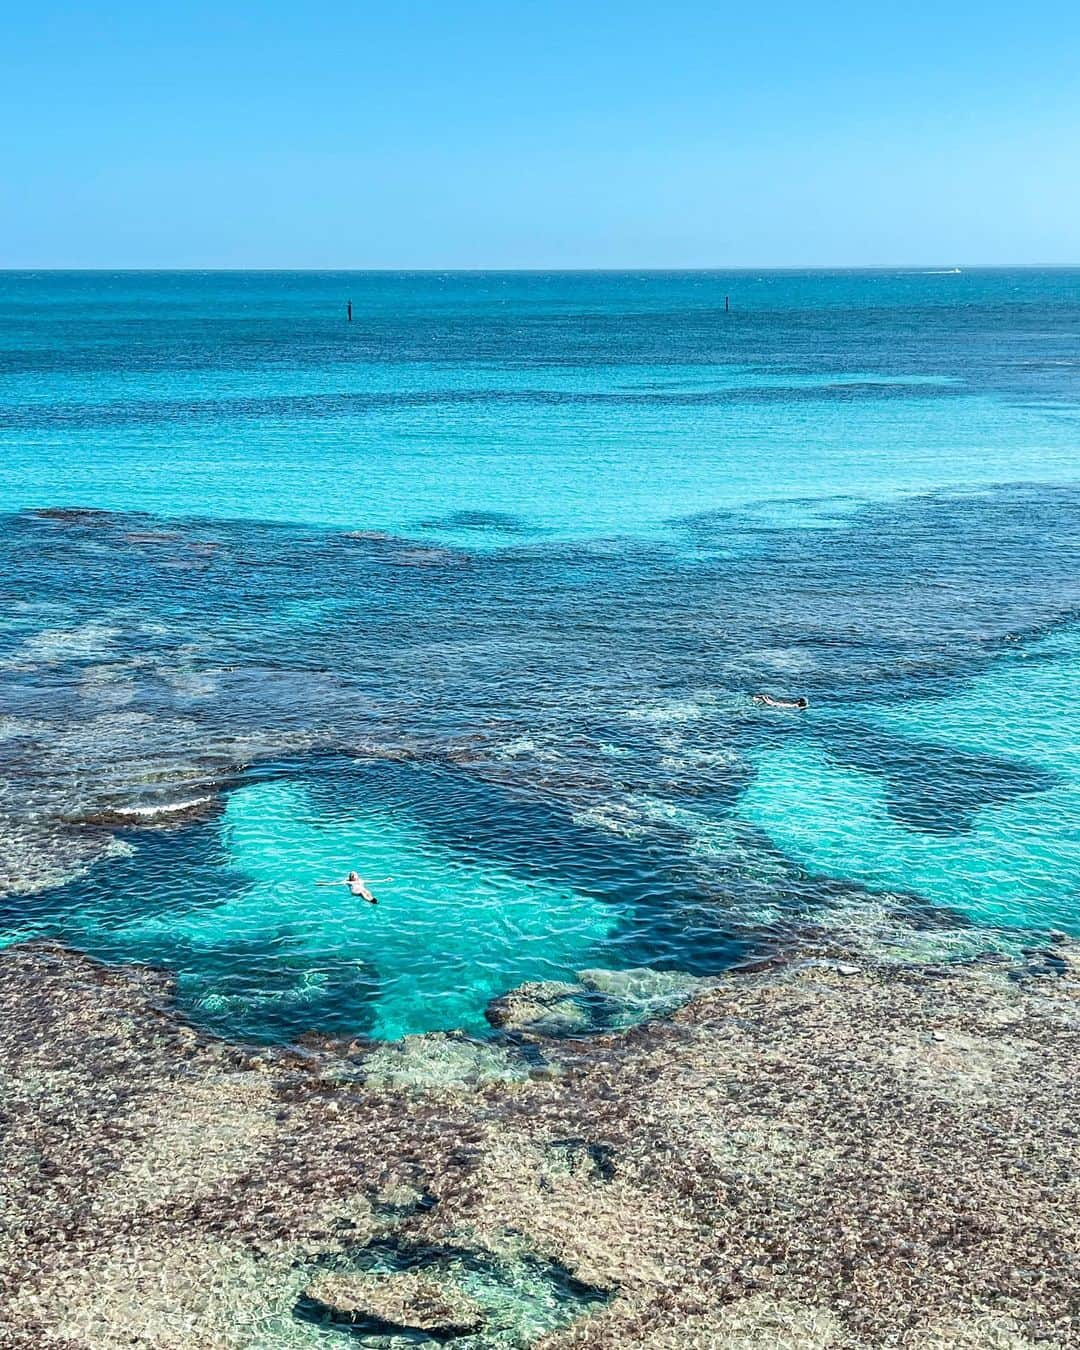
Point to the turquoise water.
(1017, 861)
(473, 593)
(446, 937)
(583, 405)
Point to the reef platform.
(818, 1155)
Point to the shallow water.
(474, 594)
(519, 1296)
(1009, 854)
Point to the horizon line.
(935, 265)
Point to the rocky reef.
(818, 1155)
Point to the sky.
(696, 133)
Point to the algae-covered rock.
(581, 1158)
(552, 1007)
(806, 1158)
(436, 1060)
(403, 1301)
(601, 998)
(642, 992)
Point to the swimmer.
(358, 886)
(767, 701)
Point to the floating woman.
(358, 886)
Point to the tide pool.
(446, 936)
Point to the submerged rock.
(400, 1302)
(74, 515)
(552, 1007)
(437, 1060)
(151, 815)
(400, 1201)
(600, 999)
(642, 992)
(582, 1158)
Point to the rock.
(582, 1158)
(400, 1201)
(723, 1134)
(403, 1301)
(74, 515)
(151, 815)
(548, 1006)
(439, 1061)
(642, 992)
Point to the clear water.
(473, 593)
(519, 1296)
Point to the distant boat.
(943, 272)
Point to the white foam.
(163, 808)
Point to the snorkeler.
(768, 701)
(358, 886)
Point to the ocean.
(473, 594)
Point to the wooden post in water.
(348, 310)
(727, 304)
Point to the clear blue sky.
(546, 134)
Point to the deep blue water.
(474, 593)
